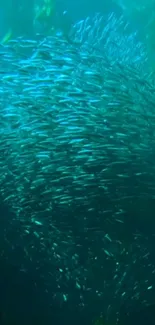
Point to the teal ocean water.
(77, 172)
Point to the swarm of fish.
(77, 137)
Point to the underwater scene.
(77, 162)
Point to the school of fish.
(77, 142)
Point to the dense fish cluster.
(113, 35)
(77, 137)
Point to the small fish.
(77, 123)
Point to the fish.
(77, 137)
